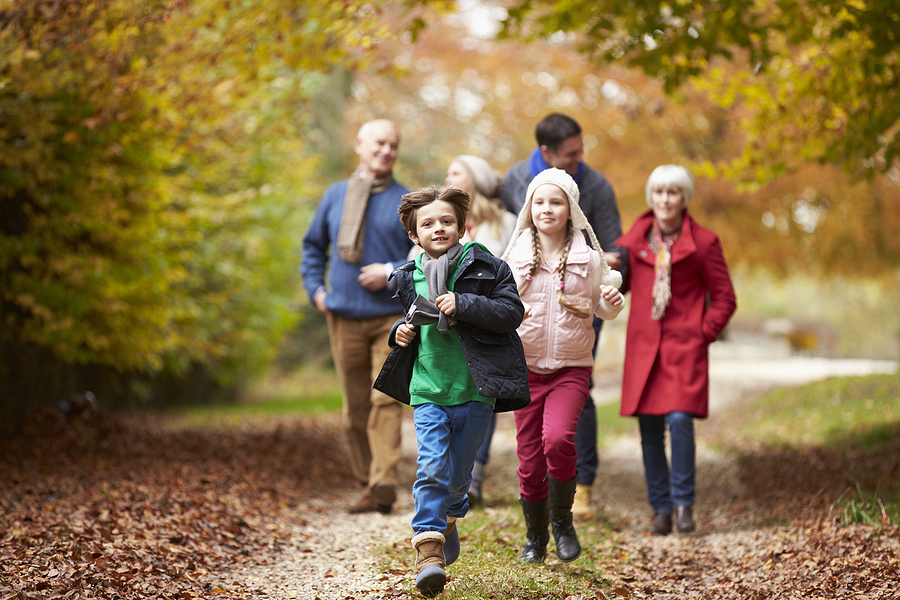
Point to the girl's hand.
(612, 295)
(527, 310)
(446, 303)
(405, 334)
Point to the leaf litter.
(118, 506)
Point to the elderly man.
(357, 238)
(560, 145)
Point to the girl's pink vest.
(552, 336)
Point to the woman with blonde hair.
(492, 225)
(489, 222)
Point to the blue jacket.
(385, 241)
(488, 311)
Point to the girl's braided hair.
(580, 308)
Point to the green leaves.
(154, 173)
(832, 67)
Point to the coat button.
(643, 253)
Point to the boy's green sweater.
(440, 374)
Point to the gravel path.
(330, 553)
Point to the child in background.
(562, 282)
(456, 360)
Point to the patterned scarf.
(662, 271)
(350, 234)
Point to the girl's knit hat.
(563, 181)
(486, 179)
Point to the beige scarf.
(351, 232)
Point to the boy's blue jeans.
(447, 438)
(665, 486)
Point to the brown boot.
(369, 503)
(430, 563)
(661, 525)
(684, 519)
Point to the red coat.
(667, 361)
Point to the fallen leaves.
(119, 507)
(782, 540)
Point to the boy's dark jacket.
(488, 311)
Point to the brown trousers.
(371, 419)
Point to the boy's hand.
(527, 310)
(446, 303)
(612, 295)
(405, 334)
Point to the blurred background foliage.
(159, 161)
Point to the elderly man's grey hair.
(363, 132)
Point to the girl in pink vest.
(562, 282)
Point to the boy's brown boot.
(430, 562)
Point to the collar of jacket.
(636, 239)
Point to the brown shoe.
(662, 524)
(384, 494)
(684, 518)
(367, 503)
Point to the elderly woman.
(681, 299)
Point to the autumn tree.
(819, 78)
(153, 184)
(463, 89)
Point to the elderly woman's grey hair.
(671, 175)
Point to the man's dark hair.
(413, 201)
(555, 128)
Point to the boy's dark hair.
(413, 201)
(554, 128)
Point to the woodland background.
(159, 161)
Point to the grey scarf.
(436, 273)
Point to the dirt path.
(329, 556)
